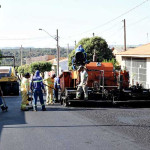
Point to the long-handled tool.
(48, 86)
(4, 102)
(30, 99)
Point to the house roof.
(40, 58)
(143, 50)
(63, 59)
(54, 61)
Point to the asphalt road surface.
(74, 128)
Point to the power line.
(115, 17)
(108, 29)
(118, 16)
(140, 20)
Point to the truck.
(8, 78)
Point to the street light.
(55, 38)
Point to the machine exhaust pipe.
(94, 56)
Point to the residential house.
(137, 62)
(63, 64)
(39, 58)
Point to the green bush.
(41, 66)
(23, 69)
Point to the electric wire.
(128, 11)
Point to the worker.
(25, 87)
(1, 102)
(36, 87)
(83, 83)
(57, 87)
(49, 82)
(80, 57)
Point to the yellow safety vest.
(49, 82)
(25, 84)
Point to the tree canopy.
(90, 44)
(0, 55)
(29, 53)
(23, 69)
(41, 66)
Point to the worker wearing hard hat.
(49, 82)
(80, 57)
(36, 87)
(25, 87)
(57, 87)
(83, 83)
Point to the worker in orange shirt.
(49, 82)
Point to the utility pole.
(30, 56)
(21, 55)
(67, 50)
(75, 43)
(15, 54)
(68, 53)
(57, 40)
(147, 38)
(57, 53)
(124, 22)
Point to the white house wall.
(148, 72)
(139, 69)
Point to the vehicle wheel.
(61, 100)
(16, 89)
(65, 103)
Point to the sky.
(20, 21)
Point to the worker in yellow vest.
(25, 87)
(49, 82)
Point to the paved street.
(74, 128)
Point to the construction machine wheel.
(65, 102)
(16, 89)
(61, 99)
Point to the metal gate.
(137, 70)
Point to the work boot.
(35, 108)
(56, 101)
(4, 108)
(30, 107)
(43, 108)
(24, 109)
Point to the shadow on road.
(80, 106)
(124, 105)
(14, 116)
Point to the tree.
(23, 69)
(0, 55)
(91, 44)
(114, 62)
(41, 66)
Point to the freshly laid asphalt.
(74, 128)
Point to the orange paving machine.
(104, 85)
